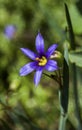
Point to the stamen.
(37, 58)
(41, 61)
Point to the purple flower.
(41, 60)
(10, 31)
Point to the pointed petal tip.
(36, 85)
(21, 49)
(36, 82)
(20, 72)
(39, 36)
(55, 45)
(39, 33)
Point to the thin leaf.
(71, 33)
(65, 88)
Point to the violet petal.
(39, 44)
(50, 50)
(38, 75)
(51, 65)
(10, 31)
(28, 68)
(28, 53)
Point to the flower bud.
(58, 57)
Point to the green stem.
(76, 97)
(63, 115)
(62, 125)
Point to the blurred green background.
(22, 106)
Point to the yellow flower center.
(41, 61)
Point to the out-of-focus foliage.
(76, 57)
(22, 106)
